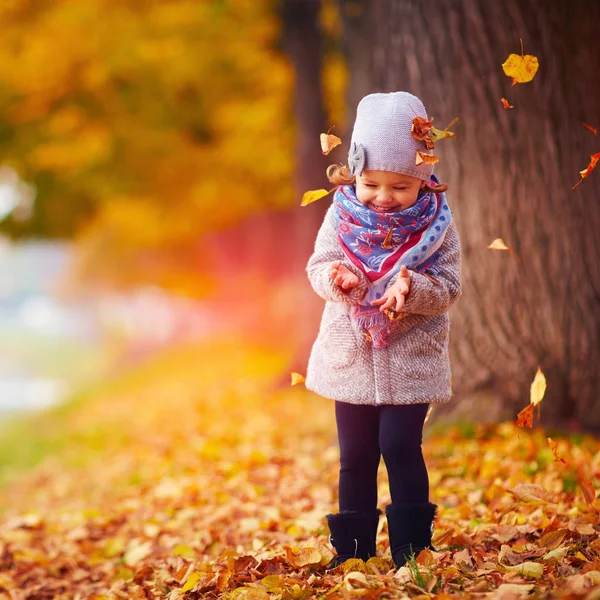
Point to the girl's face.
(384, 191)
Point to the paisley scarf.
(380, 243)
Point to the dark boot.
(352, 535)
(410, 527)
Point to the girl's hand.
(342, 276)
(395, 294)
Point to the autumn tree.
(510, 174)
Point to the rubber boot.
(352, 535)
(410, 527)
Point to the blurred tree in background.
(510, 174)
(143, 125)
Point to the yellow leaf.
(439, 134)
(297, 378)
(530, 493)
(354, 579)
(314, 195)
(192, 581)
(300, 557)
(136, 552)
(329, 142)
(423, 157)
(556, 555)
(538, 388)
(528, 569)
(498, 244)
(521, 68)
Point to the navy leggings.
(365, 433)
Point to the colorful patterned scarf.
(380, 243)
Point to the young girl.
(387, 262)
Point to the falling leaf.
(592, 129)
(423, 157)
(388, 242)
(420, 131)
(538, 388)
(589, 493)
(586, 172)
(554, 447)
(521, 68)
(329, 142)
(498, 244)
(525, 417)
(297, 378)
(506, 103)
(428, 415)
(314, 195)
(439, 134)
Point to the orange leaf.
(314, 195)
(521, 68)
(586, 172)
(525, 417)
(505, 103)
(420, 131)
(329, 142)
(554, 447)
(589, 493)
(297, 378)
(423, 157)
(592, 129)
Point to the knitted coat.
(414, 367)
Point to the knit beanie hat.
(381, 139)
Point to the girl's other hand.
(394, 296)
(342, 276)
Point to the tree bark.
(510, 174)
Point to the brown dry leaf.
(420, 131)
(297, 378)
(530, 493)
(589, 493)
(525, 417)
(554, 447)
(592, 129)
(498, 244)
(553, 539)
(521, 68)
(586, 172)
(329, 142)
(423, 157)
(506, 103)
(388, 241)
(314, 195)
(300, 557)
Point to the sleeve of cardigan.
(427, 298)
(327, 250)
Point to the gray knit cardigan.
(414, 367)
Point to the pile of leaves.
(207, 475)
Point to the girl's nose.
(384, 195)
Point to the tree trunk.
(510, 174)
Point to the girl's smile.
(385, 191)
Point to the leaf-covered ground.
(205, 475)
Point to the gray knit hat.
(381, 139)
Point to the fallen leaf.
(592, 129)
(521, 68)
(554, 447)
(297, 378)
(553, 539)
(329, 142)
(507, 591)
(538, 388)
(556, 555)
(589, 493)
(530, 493)
(528, 569)
(300, 557)
(506, 103)
(423, 157)
(314, 195)
(136, 552)
(586, 172)
(354, 579)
